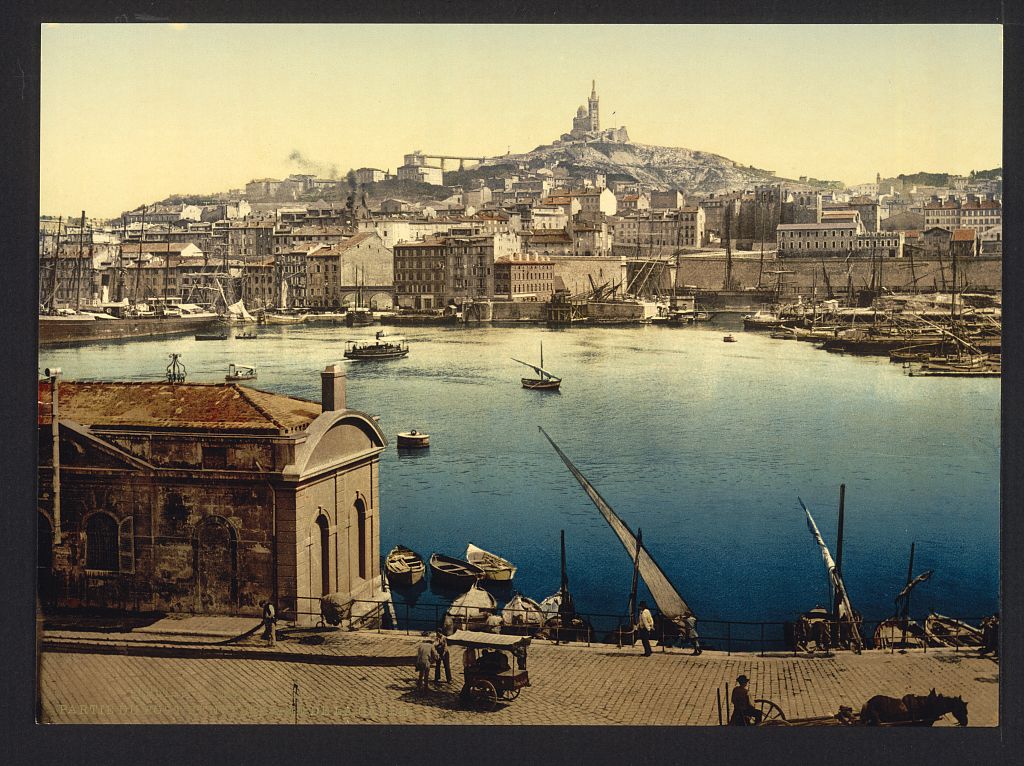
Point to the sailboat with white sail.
(849, 620)
(670, 604)
(546, 381)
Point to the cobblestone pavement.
(570, 685)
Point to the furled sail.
(669, 602)
(540, 370)
(913, 584)
(835, 579)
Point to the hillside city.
(447, 230)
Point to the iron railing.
(729, 636)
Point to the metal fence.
(716, 635)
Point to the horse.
(912, 710)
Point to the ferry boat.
(384, 346)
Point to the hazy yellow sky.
(133, 113)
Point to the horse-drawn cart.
(491, 675)
(910, 710)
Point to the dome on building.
(581, 112)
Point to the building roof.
(337, 248)
(548, 236)
(812, 226)
(191, 406)
(964, 235)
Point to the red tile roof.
(192, 406)
(964, 235)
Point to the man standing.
(644, 627)
(690, 632)
(269, 623)
(743, 711)
(441, 650)
(425, 657)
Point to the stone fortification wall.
(708, 272)
(574, 271)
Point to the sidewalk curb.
(138, 649)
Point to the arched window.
(101, 543)
(361, 534)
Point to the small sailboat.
(559, 611)
(670, 603)
(449, 571)
(404, 566)
(475, 605)
(494, 567)
(546, 381)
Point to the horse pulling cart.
(910, 710)
(490, 673)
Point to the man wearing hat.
(426, 656)
(743, 712)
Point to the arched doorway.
(320, 557)
(361, 535)
(216, 566)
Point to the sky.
(133, 113)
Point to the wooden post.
(906, 603)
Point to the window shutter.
(126, 545)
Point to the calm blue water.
(704, 445)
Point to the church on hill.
(586, 125)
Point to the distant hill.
(658, 166)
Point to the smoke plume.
(307, 165)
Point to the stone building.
(207, 498)
(357, 271)
(953, 213)
(524, 278)
(667, 200)
(964, 243)
(679, 228)
(439, 271)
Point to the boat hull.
(405, 576)
(413, 441)
(445, 570)
(370, 356)
(56, 331)
(536, 384)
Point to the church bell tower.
(595, 120)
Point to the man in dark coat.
(743, 711)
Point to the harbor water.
(704, 445)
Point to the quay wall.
(536, 311)
(708, 273)
(575, 270)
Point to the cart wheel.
(510, 694)
(770, 712)
(485, 695)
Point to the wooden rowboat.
(494, 567)
(446, 570)
(404, 566)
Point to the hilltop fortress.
(586, 125)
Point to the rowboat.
(404, 566)
(523, 612)
(730, 338)
(946, 631)
(494, 567)
(413, 440)
(546, 381)
(475, 605)
(246, 336)
(446, 570)
(240, 372)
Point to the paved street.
(570, 685)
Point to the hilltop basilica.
(586, 125)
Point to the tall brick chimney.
(332, 387)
